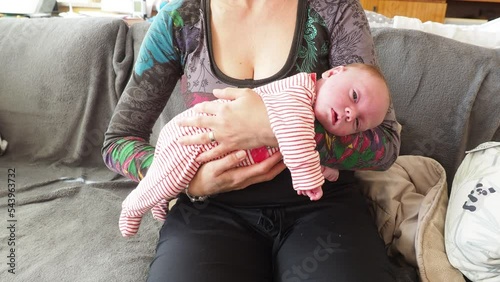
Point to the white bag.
(472, 227)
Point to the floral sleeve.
(351, 42)
(126, 147)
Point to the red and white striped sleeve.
(289, 105)
(172, 169)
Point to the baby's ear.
(332, 71)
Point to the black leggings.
(334, 239)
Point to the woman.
(254, 227)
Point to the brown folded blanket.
(409, 203)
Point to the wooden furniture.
(425, 10)
(473, 9)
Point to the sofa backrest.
(59, 82)
(446, 93)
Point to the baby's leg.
(165, 179)
(313, 194)
(330, 174)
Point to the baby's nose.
(350, 114)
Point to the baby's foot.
(129, 225)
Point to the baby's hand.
(313, 194)
(330, 174)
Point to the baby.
(346, 100)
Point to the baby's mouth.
(334, 117)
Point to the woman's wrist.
(268, 139)
(194, 198)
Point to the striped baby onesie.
(289, 104)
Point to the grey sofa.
(59, 82)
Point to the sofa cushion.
(445, 93)
(59, 82)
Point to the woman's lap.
(333, 239)
(206, 243)
(336, 242)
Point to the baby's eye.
(357, 124)
(354, 96)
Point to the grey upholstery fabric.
(446, 93)
(59, 82)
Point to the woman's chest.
(253, 43)
(203, 73)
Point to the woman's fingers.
(242, 177)
(262, 167)
(229, 162)
(214, 153)
(201, 138)
(270, 167)
(223, 175)
(214, 177)
(203, 121)
(263, 171)
(209, 107)
(205, 138)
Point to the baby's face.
(351, 100)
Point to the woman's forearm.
(128, 156)
(375, 149)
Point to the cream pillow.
(472, 230)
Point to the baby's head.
(351, 98)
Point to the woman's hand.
(223, 175)
(237, 125)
